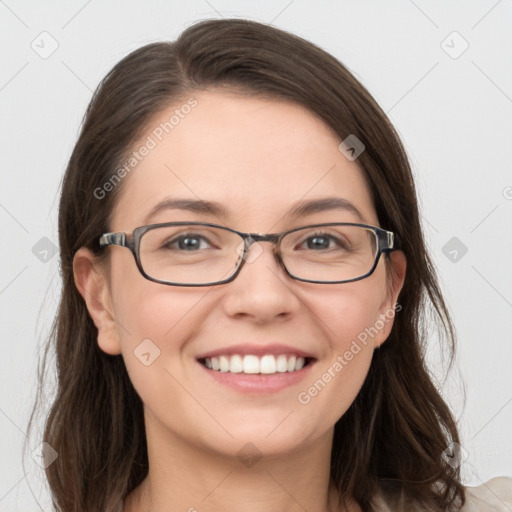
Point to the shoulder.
(495, 495)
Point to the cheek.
(145, 309)
(165, 316)
(335, 384)
(349, 322)
(356, 327)
(350, 314)
(336, 380)
(154, 322)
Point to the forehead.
(257, 158)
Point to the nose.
(262, 289)
(262, 251)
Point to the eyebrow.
(298, 210)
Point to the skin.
(256, 157)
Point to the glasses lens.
(190, 254)
(329, 253)
(196, 254)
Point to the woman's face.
(258, 159)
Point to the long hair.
(394, 434)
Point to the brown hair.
(393, 435)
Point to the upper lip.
(257, 350)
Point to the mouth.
(251, 364)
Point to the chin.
(254, 439)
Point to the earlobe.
(92, 284)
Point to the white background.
(453, 114)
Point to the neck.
(194, 478)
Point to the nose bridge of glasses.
(251, 238)
(258, 237)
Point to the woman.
(210, 369)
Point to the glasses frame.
(385, 244)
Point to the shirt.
(494, 495)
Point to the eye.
(323, 241)
(186, 242)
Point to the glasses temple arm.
(113, 239)
(388, 240)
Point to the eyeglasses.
(204, 254)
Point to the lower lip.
(258, 383)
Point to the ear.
(91, 280)
(395, 276)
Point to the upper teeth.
(254, 364)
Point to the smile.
(253, 364)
